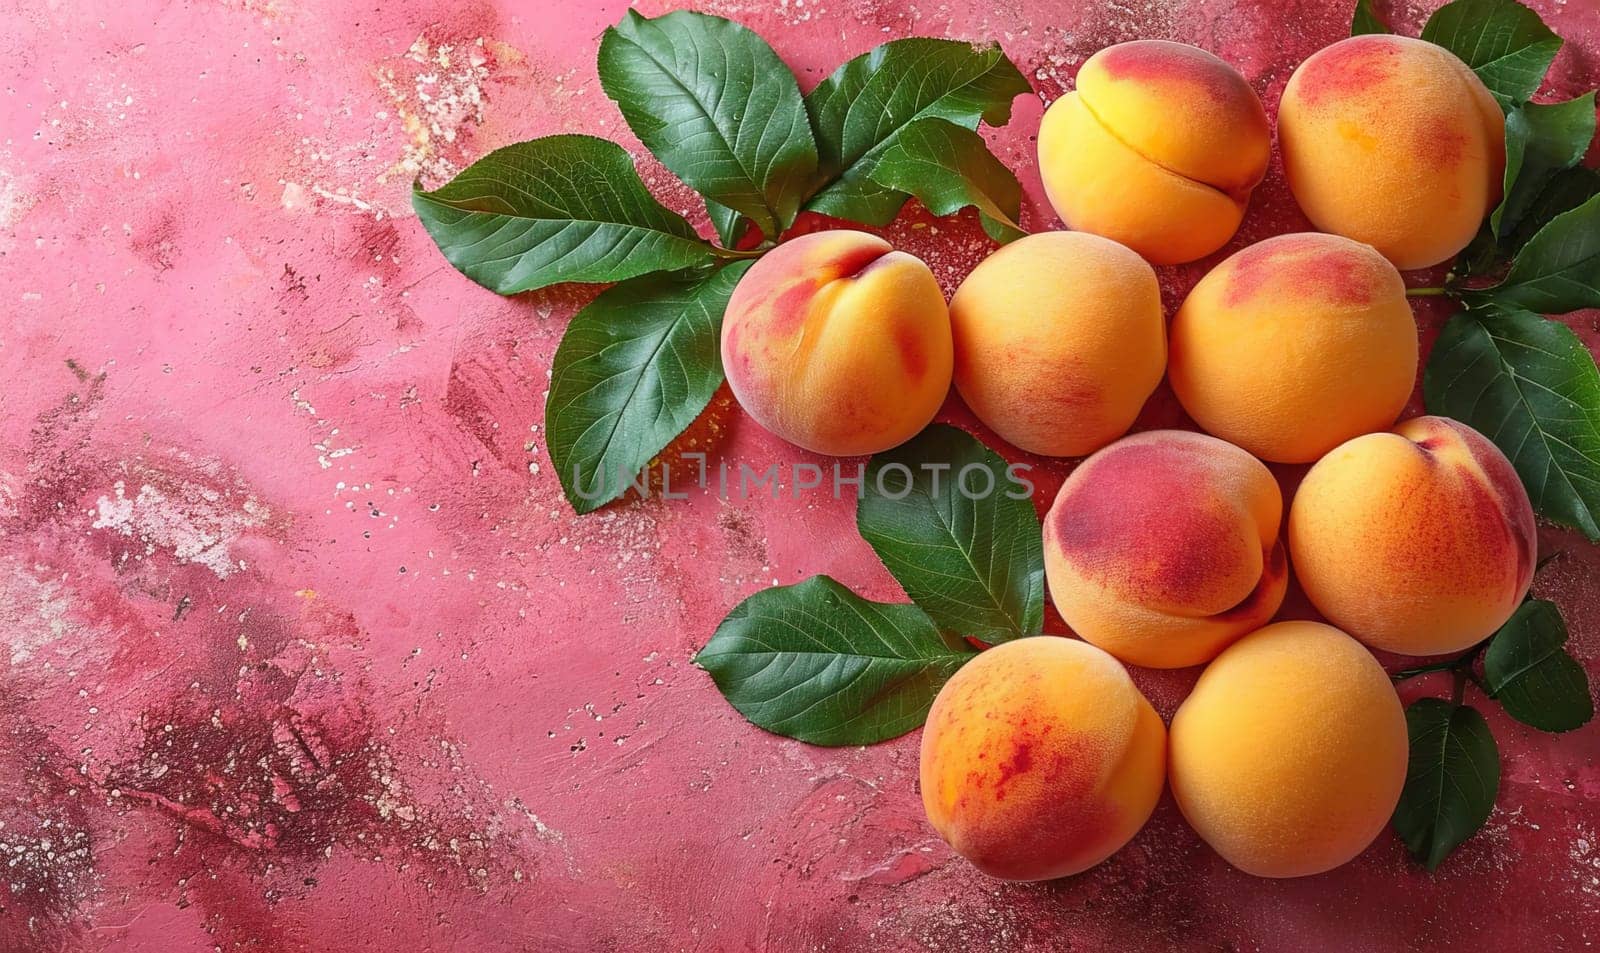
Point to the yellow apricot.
(1394, 142)
(1419, 541)
(1289, 755)
(1040, 759)
(1163, 548)
(1059, 340)
(1294, 345)
(1158, 147)
(838, 344)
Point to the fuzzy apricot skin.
(1040, 759)
(1418, 541)
(838, 344)
(1158, 147)
(1059, 340)
(1294, 345)
(1395, 142)
(1289, 756)
(1163, 548)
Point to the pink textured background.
(303, 649)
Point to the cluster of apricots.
(1167, 548)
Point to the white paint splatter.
(36, 613)
(197, 523)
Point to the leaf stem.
(1430, 292)
(729, 254)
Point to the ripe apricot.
(1395, 142)
(1158, 147)
(1294, 345)
(838, 344)
(1163, 548)
(1059, 340)
(1289, 755)
(1040, 759)
(1418, 541)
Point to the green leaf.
(1557, 271)
(1530, 386)
(958, 533)
(1366, 20)
(948, 167)
(865, 105)
(1527, 670)
(635, 367)
(1451, 780)
(1541, 140)
(1567, 190)
(1504, 42)
(718, 107)
(561, 208)
(729, 225)
(816, 662)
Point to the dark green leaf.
(1557, 271)
(959, 534)
(1481, 255)
(1504, 42)
(1527, 669)
(635, 367)
(1530, 386)
(1567, 190)
(730, 225)
(865, 105)
(1541, 140)
(1366, 20)
(561, 208)
(1451, 781)
(816, 662)
(948, 167)
(718, 107)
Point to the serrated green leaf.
(1451, 780)
(948, 168)
(561, 208)
(1504, 42)
(968, 553)
(1557, 271)
(1529, 385)
(1528, 671)
(1366, 20)
(718, 107)
(1541, 140)
(635, 367)
(865, 105)
(818, 663)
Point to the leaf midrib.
(738, 162)
(691, 302)
(1523, 402)
(895, 133)
(1544, 437)
(982, 579)
(571, 219)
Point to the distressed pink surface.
(306, 651)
